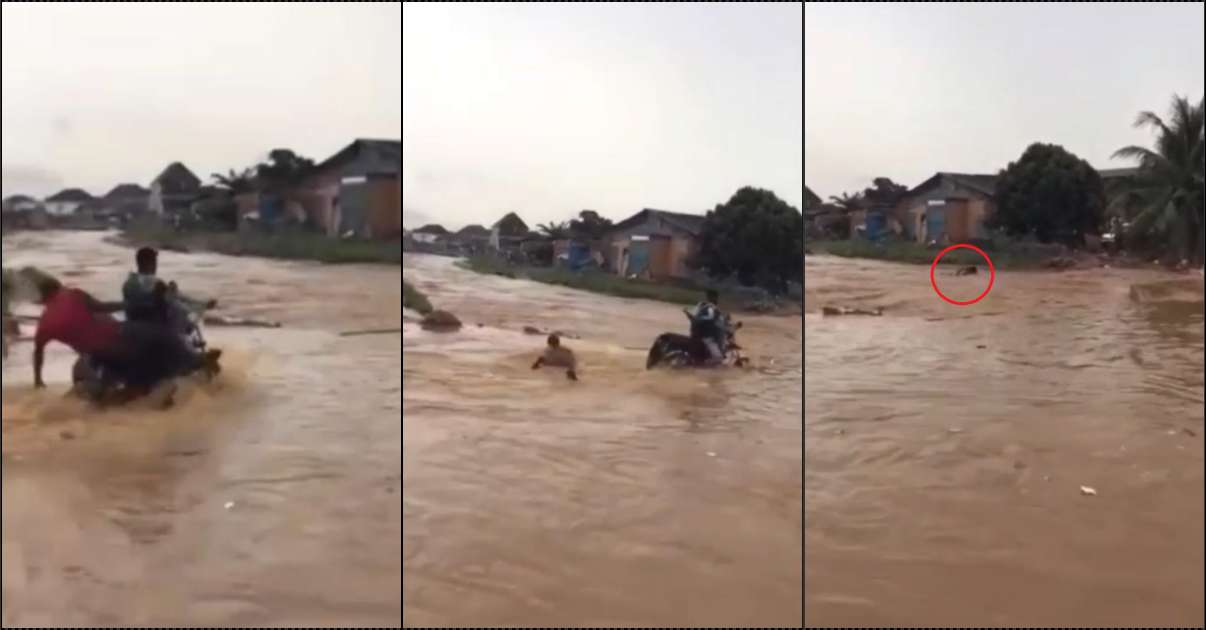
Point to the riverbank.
(1010, 255)
(414, 300)
(282, 246)
(680, 292)
(1005, 255)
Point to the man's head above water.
(554, 341)
(147, 260)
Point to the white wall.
(61, 208)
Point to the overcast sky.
(98, 94)
(905, 91)
(553, 108)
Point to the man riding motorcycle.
(147, 298)
(708, 326)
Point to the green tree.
(1164, 200)
(755, 235)
(283, 169)
(884, 191)
(235, 182)
(1050, 194)
(589, 225)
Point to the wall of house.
(385, 207)
(668, 258)
(61, 208)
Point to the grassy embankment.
(285, 246)
(1004, 255)
(413, 299)
(594, 281)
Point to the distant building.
(173, 191)
(65, 202)
(122, 203)
(811, 200)
(21, 203)
(653, 243)
(429, 234)
(357, 192)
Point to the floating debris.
(1087, 491)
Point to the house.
(472, 239)
(429, 233)
(653, 243)
(357, 191)
(473, 233)
(509, 232)
(173, 191)
(21, 203)
(65, 202)
(947, 206)
(122, 203)
(811, 200)
(23, 212)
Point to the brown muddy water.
(946, 448)
(629, 498)
(272, 497)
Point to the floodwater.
(946, 448)
(272, 497)
(629, 498)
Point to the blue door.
(935, 222)
(638, 257)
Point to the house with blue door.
(948, 207)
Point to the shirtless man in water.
(557, 355)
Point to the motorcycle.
(679, 351)
(93, 382)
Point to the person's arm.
(97, 306)
(539, 362)
(194, 304)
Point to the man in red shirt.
(139, 354)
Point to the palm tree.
(848, 202)
(1165, 198)
(235, 181)
(555, 231)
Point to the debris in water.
(711, 454)
(381, 331)
(1189, 432)
(219, 320)
(66, 435)
(229, 505)
(954, 430)
(1087, 491)
(981, 347)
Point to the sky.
(550, 109)
(905, 91)
(100, 94)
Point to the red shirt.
(68, 320)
